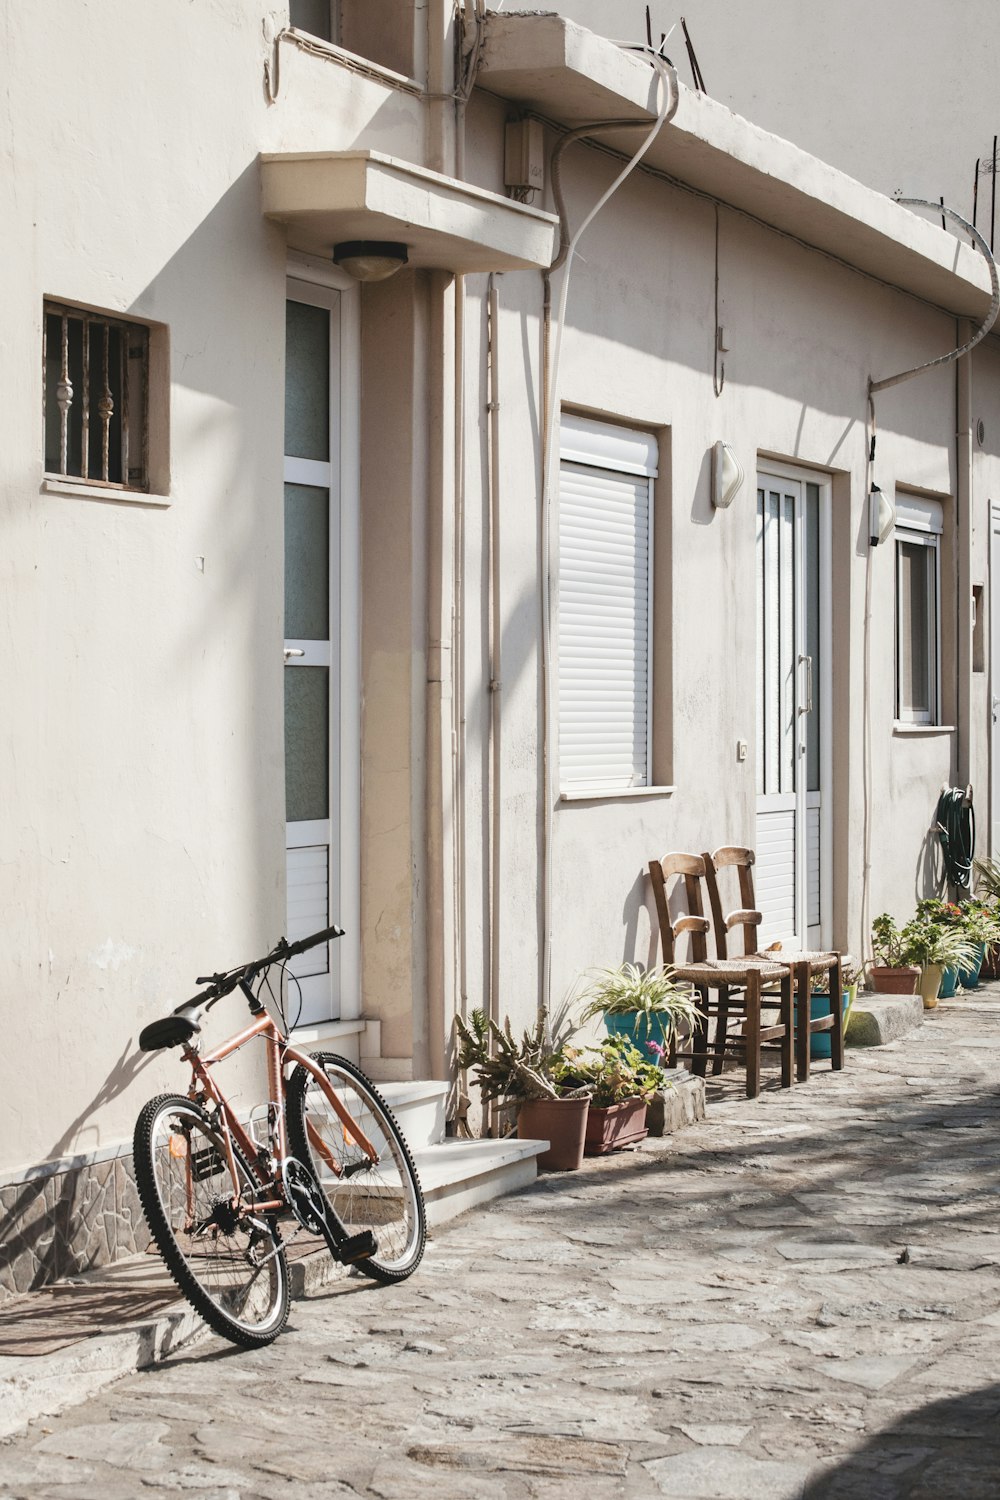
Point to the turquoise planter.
(969, 978)
(949, 983)
(820, 1042)
(639, 1029)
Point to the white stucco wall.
(899, 95)
(142, 832)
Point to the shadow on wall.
(71, 1221)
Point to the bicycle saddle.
(170, 1031)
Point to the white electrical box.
(524, 154)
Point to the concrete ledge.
(877, 1019)
(681, 1104)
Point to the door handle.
(291, 651)
(807, 707)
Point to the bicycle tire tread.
(163, 1236)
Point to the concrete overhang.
(325, 197)
(551, 66)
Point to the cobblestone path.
(797, 1297)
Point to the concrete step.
(456, 1175)
(419, 1107)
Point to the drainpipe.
(495, 638)
(443, 404)
(963, 544)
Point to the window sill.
(327, 1031)
(84, 491)
(585, 794)
(901, 728)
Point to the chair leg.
(803, 995)
(751, 1034)
(787, 1039)
(699, 1039)
(837, 1004)
(721, 1031)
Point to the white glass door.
(312, 638)
(793, 752)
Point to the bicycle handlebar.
(220, 985)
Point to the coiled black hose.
(956, 828)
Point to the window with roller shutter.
(605, 605)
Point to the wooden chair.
(804, 965)
(737, 985)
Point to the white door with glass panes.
(320, 637)
(792, 873)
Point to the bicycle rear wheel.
(227, 1260)
(383, 1196)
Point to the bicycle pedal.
(358, 1247)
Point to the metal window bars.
(95, 397)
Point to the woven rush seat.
(734, 970)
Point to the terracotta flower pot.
(613, 1125)
(894, 981)
(561, 1122)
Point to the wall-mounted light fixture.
(881, 516)
(727, 475)
(370, 260)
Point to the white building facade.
(313, 615)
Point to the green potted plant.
(620, 1081)
(522, 1072)
(982, 927)
(644, 1005)
(988, 893)
(935, 946)
(892, 970)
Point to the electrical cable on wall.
(668, 98)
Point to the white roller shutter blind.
(604, 600)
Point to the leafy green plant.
(937, 943)
(507, 1068)
(980, 922)
(891, 945)
(611, 1073)
(651, 992)
(988, 878)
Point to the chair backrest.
(668, 875)
(745, 915)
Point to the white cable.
(668, 92)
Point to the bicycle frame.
(279, 1056)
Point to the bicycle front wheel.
(382, 1195)
(227, 1259)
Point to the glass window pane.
(307, 563)
(813, 724)
(312, 16)
(307, 381)
(915, 613)
(307, 750)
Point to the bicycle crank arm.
(314, 1214)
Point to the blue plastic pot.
(969, 978)
(821, 1042)
(640, 1029)
(949, 983)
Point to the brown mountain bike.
(328, 1154)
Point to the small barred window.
(96, 375)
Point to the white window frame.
(919, 522)
(305, 273)
(629, 453)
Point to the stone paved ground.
(798, 1297)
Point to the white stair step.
(457, 1175)
(419, 1106)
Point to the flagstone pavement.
(797, 1297)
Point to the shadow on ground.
(948, 1450)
